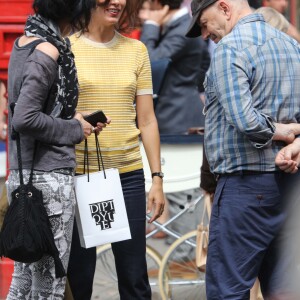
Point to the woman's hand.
(88, 129)
(100, 125)
(156, 199)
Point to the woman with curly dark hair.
(42, 81)
(114, 75)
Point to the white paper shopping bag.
(100, 210)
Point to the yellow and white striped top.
(110, 76)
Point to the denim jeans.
(130, 255)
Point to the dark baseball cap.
(197, 7)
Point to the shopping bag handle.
(99, 155)
(99, 158)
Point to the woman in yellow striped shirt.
(115, 76)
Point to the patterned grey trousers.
(37, 281)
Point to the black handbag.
(26, 234)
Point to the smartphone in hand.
(95, 117)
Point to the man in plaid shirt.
(252, 110)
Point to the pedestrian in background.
(281, 6)
(40, 59)
(245, 97)
(115, 76)
(179, 106)
(276, 19)
(163, 33)
(142, 12)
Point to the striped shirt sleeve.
(144, 78)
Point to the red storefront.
(12, 18)
(13, 15)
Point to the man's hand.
(286, 132)
(144, 14)
(288, 158)
(159, 16)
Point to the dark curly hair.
(76, 12)
(173, 4)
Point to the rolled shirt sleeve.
(230, 73)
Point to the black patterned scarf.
(67, 84)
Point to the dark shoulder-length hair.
(129, 18)
(75, 12)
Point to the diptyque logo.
(103, 213)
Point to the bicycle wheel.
(106, 277)
(179, 278)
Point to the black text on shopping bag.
(103, 213)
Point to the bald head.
(225, 12)
(218, 19)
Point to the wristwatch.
(159, 174)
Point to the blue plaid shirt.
(253, 81)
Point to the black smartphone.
(95, 117)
